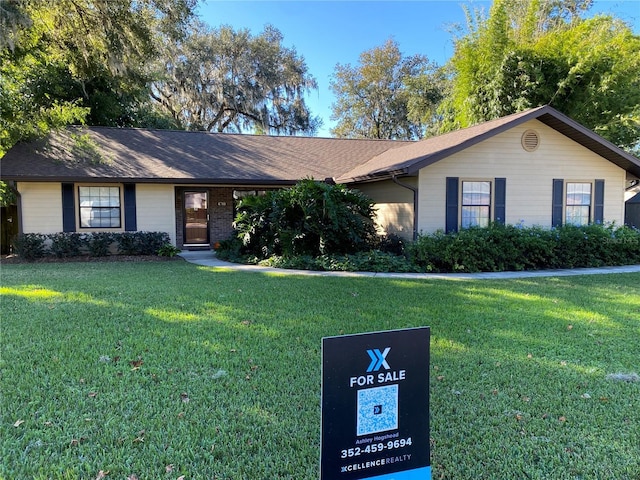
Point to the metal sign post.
(375, 406)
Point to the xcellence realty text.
(352, 467)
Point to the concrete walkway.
(207, 258)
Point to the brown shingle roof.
(184, 157)
(114, 154)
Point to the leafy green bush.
(66, 244)
(370, 261)
(508, 247)
(168, 250)
(99, 243)
(127, 243)
(30, 246)
(626, 243)
(150, 242)
(537, 248)
(495, 248)
(391, 243)
(231, 250)
(311, 218)
(427, 252)
(377, 261)
(140, 243)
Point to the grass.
(162, 370)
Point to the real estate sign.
(375, 406)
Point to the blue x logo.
(378, 359)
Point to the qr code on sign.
(377, 410)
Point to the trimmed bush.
(141, 243)
(31, 246)
(371, 261)
(65, 244)
(507, 247)
(492, 249)
(99, 244)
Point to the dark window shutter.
(500, 209)
(451, 221)
(68, 208)
(598, 211)
(130, 222)
(557, 202)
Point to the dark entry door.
(196, 218)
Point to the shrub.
(378, 261)
(30, 246)
(66, 244)
(231, 250)
(253, 227)
(127, 243)
(311, 218)
(427, 252)
(626, 242)
(150, 242)
(391, 243)
(99, 243)
(370, 261)
(536, 247)
(140, 243)
(168, 250)
(508, 247)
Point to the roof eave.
(373, 177)
(172, 181)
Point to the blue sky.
(328, 32)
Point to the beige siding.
(41, 207)
(529, 176)
(394, 206)
(155, 209)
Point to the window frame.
(566, 205)
(462, 205)
(80, 208)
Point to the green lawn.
(161, 370)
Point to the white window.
(475, 210)
(578, 203)
(100, 207)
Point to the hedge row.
(511, 247)
(492, 249)
(31, 246)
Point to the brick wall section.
(220, 216)
(220, 213)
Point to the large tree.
(535, 52)
(386, 96)
(72, 61)
(226, 80)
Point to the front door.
(196, 218)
